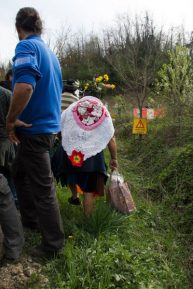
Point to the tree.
(174, 89)
(135, 50)
(81, 56)
(175, 81)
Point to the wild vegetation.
(151, 249)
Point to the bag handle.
(117, 174)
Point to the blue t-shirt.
(34, 63)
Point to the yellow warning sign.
(140, 126)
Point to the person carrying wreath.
(87, 129)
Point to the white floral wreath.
(89, 113)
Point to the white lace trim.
(88, 142)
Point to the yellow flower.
(99, 79)
(77, 159)
(106, 77)
(113, 86)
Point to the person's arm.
(21, 96)
(113, 152)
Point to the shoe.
(73, 201)
(5, 260)
(40, 253)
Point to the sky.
(89, 15)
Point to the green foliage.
(120, 105)
(135, 49)
(104, 220)
(112, 251)
(164, 159)
(175, 81)
(179, 171)
(176, 181)
(147, 250)
(34, 281)
(81, 56)
(131, 53)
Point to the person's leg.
(24, 191)
(46, 203)
(73, 190)
(7, 175)
(74, 199)
(13, 190)
(88, 203)
(42, 188)
(10, 222)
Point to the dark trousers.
(36, 190)
(9, 178)
(10, 222)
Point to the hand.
(11, 130)
(10, 127)
(113, 164)
(19, 123)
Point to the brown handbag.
(119, 195)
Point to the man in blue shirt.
(36, 100)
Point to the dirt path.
(18, 276)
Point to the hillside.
(150, 249)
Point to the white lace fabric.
(88, 142)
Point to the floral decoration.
(106, 77)
(76, 158)
(98, 79)
(89, 112)
(99, 83)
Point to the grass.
(111, 251)
(115, 251)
